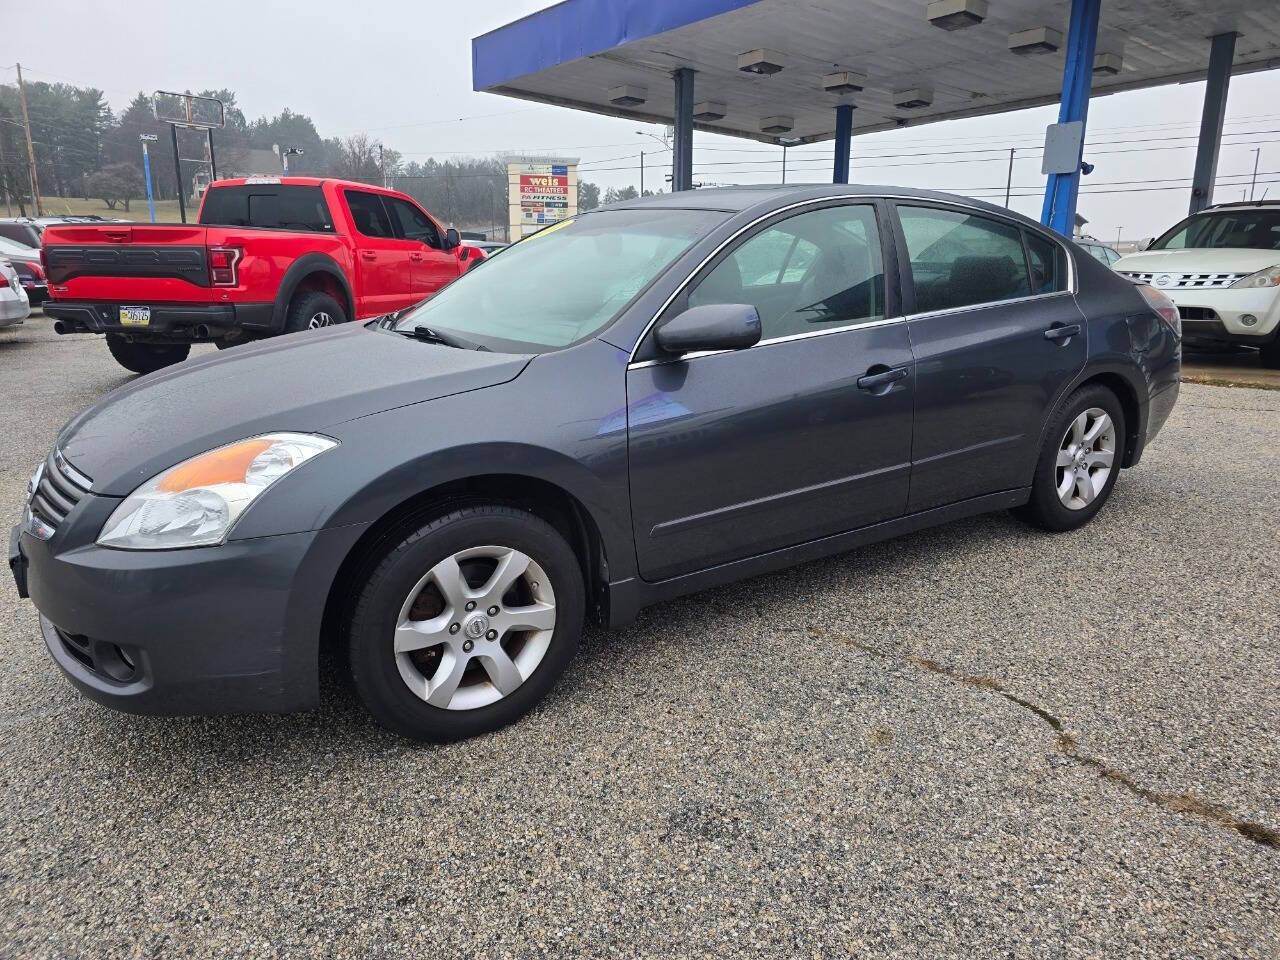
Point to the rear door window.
(959, 259)
(1048, 264)
(278, 205)
(369, 215)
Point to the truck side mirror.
(452, 239)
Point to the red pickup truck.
(267, 255)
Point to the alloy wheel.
(1085, 459)
(475, 627)
(319, 319)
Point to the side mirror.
(452, 239)
(1144, 244)
(714, 326)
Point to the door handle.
(881, 378)
(415, 257)
(1062, 331)
(368, 255)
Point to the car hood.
(303, 382)
(1218, 260)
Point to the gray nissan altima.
(643, 401)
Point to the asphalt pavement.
(976, 741)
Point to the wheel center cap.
(476, 626)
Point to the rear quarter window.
(278, 206)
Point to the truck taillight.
(1161, 304)
(222, 266)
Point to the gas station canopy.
(618, 57)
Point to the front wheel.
(465, 623)
(1079, 462)
(146, 357)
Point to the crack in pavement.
(1182, 803)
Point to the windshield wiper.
(428, 335)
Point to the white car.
(14, 306)
(1222, 268)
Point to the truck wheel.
(146, 357)
(313, 310)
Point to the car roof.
(762, 197)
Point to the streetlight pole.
(651, 136)
(146, 138)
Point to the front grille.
(1186, 281)
(61, 487)
(1197, 313)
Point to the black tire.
(306, 309)
(146, 357)
(1269, 354)
(391, 575)
(1045, 509)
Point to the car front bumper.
(169, 323)
(1221, 314)
(227, 629)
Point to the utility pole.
(4, 172)
(784, 163)
(1257, 153)
(1008, 184)
(1118, 229)
(383, 167)
(31, 151)
(642, 173)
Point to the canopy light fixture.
(956, 14)
(762, 61)
(1108, 63)
(844, 82)
(628, 95)
(1035, 40)
(776, 124)
(709, 110)
(913, 99)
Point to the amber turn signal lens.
(225, 465)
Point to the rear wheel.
(146, 357)
(312, 311)
(465, 623)
(1079, 462)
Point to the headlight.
(195, 503)
(1269, 277)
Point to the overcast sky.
(400, 70)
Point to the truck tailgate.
(137, 262)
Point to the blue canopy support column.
(1062, 189)
(682, 149)
(1221, 55)
(844, 141)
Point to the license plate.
(135, 316)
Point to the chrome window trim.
(867, 325)
(867, 199)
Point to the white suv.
(1222, 268)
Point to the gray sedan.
(635, 404)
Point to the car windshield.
(1244, 228)
(564, 283)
